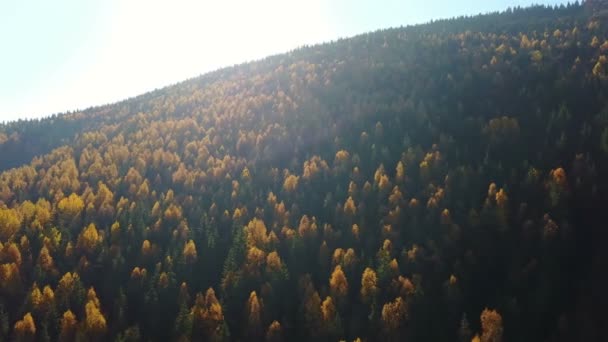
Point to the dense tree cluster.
(437, 182)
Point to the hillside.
(438, 182)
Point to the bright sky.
(65, 55)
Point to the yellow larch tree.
(190, 254)
(95, 323)
(394, 315)
(25, 329)
(68, 326)
(274, 332)
(491, 326)
(89, 239)
(338, 285)
(369, 286)
(254, 317)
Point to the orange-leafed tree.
(70, 209)
(95, 325)
(68, 326)
(369, 287)
(10, 222)
(10, 278)
(308, 227)
(12, 253)
(338, 285)
(25, 329)
(256, 233)
(253, 328)
(491, 326)
(254, 260)
(89, 239)
(208, 316)
(189, 252)
(349, 207)
(331, 318)
(291, 183)
(400, 172)
(46, 262)
(69, 289)
(394, 315)
(274, 332)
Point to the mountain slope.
(432, 182)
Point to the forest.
(437, 182)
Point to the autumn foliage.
(385, 186)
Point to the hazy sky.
(71, 54)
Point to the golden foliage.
(156, 210)
(68, 326)
(254, 313)
(394, 315)
(45, 260)
(349, 207)
(207, 313)
(138, 273)
(273, 262)
(313, 167)
(501, 198)
(342, 156)
(10, 278)
(595, 42)
(274, 332)
(173, 213)
(48, 296)
(253, 261)
(403, 287)
(10, 222)
(92, 297)
(400, 172)
(25, 329)
(163, 280)
(550, 229)
(70, 207)
(307, 228)
(491, 326)
(89, 239)
(445, 217)
(190, 254)
(12, 253)
(291, 183)
(338, 284)
(525, 42)
(115, 232)
(368, 285)
(349, 260)
(245, 175)
(412, 253)
(36, 297)
(328, 310)
(559, 176)
(337, 257)
(536, 56)
(256, 233)
(393, 267)
(384, 183)
(355, 230)
(146, 248)
(67, 284)
(95, 323)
